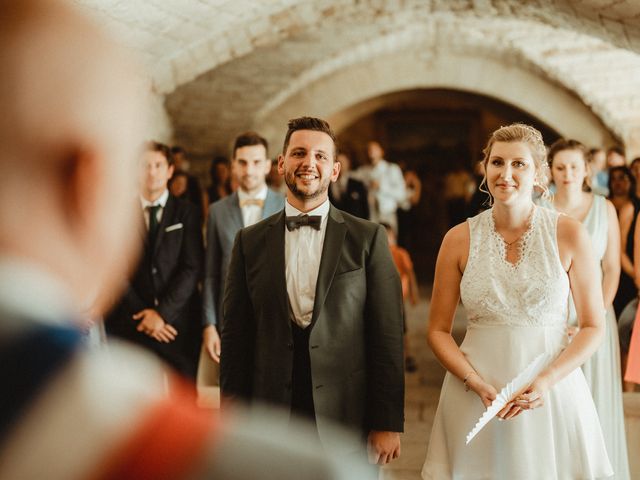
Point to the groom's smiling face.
(309, 164)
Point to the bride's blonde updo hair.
(519, 132)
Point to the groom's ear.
(335, 170)
(281, 164)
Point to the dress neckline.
(500, 242)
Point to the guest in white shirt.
(386, 185)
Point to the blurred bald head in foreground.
(70, 130)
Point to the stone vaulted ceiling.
(226, 65)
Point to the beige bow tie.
(251, 201)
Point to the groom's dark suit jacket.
(355, 342)
(167, 280)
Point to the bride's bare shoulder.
(457, 239)
(569, 229)
(573, 239)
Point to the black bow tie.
(293, 223)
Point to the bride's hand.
(485, 391)
(532, 397)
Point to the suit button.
(154, 270)
(290, 346)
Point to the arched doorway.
(433, 132)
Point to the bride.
(514, 266)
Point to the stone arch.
(578, 44)
(236, 29)
(343, 96)
(553, 57)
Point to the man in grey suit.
(252, 202)
(313, 307)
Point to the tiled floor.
(421, 397)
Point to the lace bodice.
(533, 292)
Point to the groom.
(313, 306)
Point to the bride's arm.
(451, 262)
(577, 258)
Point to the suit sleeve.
(211, 272)
(132, 301)
(184, 281)
(384, 317)
(238, 331)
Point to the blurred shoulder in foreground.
(72, 125)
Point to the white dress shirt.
(161, 201)
(391, 192)
(252, 213)
(303, 251)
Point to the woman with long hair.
(573, 197)
(622, 187)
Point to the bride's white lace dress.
(515, 312)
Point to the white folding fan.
(511, 390)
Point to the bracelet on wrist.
(466, 377)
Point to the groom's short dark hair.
(309, 123)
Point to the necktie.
(153, 221)
(313, 221)
(251, 201)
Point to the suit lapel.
(275, 250)
(168, 214)
(235, 212)
(331, 250)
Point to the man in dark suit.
(253, 201)
(348, 193)
(161, 305)
(313, 306)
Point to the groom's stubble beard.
(290, 180)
